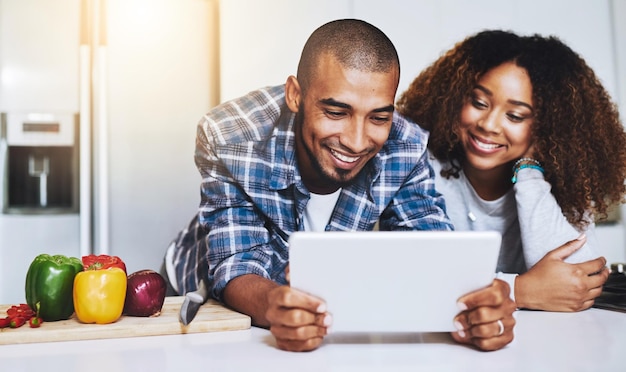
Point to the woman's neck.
(489, 184)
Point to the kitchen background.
(99, 100)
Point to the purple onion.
(145, 293)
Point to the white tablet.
(380, 281)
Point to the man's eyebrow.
(333, 102)
(390, 108)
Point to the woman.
(526, 141)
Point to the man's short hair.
(355, 44)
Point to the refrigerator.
(99, 101)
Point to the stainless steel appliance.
(40, 163)
(40, 198)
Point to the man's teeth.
(486, 146)
(347, 159)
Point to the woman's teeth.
(486, 146)
(347, 159)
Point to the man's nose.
(354, 136)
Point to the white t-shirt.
(318, 211)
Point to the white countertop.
(592, 340)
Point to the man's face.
(343, 121)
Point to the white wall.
(423, 29)
(160, 57)
(262, 40)
(618, 9)
(39, 68)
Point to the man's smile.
(344, 158)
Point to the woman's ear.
(293, 93)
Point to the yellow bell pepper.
(99, 295)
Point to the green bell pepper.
(50, 283)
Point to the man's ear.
(293, 94)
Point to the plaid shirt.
(253, 198)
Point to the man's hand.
(486, 318)
(297, 320)
(555, 285)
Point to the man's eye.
(380, 119)
(334, 114)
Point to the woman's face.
(496, 120)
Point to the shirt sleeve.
(238, 241)
(542, 224)
(417, 205)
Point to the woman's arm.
(542, 224)
(567, 278)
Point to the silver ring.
(501, 325)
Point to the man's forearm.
(248, 294)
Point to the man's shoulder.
(406, 135)
(251, 117)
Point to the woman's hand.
(554, 285)
(486, 320)
(297, 320)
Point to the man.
(326, 151)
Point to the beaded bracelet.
(522, 166)
(528, 160)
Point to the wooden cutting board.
(212, 317)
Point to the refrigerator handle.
(101, 125)
(85, 144)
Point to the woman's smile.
(484, 144)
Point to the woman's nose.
(490, 122)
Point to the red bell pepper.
(35, 322)
(5, 322)
(17, 322)
(18, 315)
(103, 261)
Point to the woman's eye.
(515, 118)
(478, 103)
